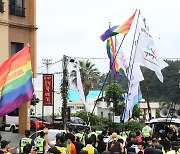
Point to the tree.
(113, 93)
(64, 89)
(89, 75)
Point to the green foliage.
(157, 91)
(64, 86)
(113, 94)
(161, 92)
(89, 75)
(97, 122)
(132, 125)
(136, 111)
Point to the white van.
(11, 121)
(160, 124)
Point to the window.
(1, 6)
(15, 47)
(16, 7)
(101, 113)
(14, 113)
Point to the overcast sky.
(73, 27)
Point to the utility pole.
(47, 62)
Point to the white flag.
(80, 89)
(146, 54)
(134, 96)
(134, 73)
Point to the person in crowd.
(41, 144)
(164, 139)
(105, 136)
(101, 144)
(53, 150)
(131, 145)
(167, 146)
(138, 136)
(29, 149)
(70, 148)
(146, 131)
(46, 131)
(79, 145)
(93, 132)
(121, 139)
(5, 146)
(25, 140)
(89, 147)
(141, 147)
(114, 145)
(86, 133)
(80, 134)
(93, 136)
(174, 149)
(149, 142)
(60, 143)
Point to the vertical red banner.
(48, 80)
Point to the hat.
(4, 143)
(114, 136)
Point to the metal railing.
(1, 7)
(17, 11)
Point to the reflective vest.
(146, 131)
(23, 142)
(125, 134)
(61, 149)
(80, 135)
(89, 149)
(89, 135)
(40, 145)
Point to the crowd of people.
(108, 142)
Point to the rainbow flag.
(114, 66)
(16, 85)
(123, 29)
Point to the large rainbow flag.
(114, 66)
(123, 29)
(16, 85)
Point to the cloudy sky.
(73, 27)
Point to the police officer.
(25, 140)
(41, 143)
(146, 131)
(79, 134)
(60, 143)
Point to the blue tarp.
(74, 95)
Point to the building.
(18, 29)
(153, 106)
(74, 103)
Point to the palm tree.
(89, 75)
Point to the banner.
(48, 83)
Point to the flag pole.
(130, 64)
(106, 78)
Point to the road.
(14, 138)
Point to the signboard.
(48, 84)
(117, 119)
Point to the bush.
(132, 126)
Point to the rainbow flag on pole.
(16, 85)
(114, 66)
(123, 29)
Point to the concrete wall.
(19, 29)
